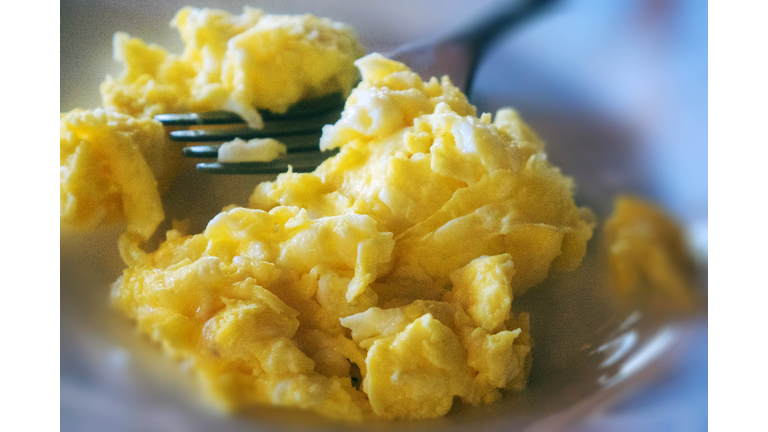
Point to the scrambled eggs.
(105, 171)
(239, 63)
(255, 150)
(647, 255)
(379, 285)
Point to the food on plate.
(240, 63)
(112, 157)
(380, 285)
(647, 255)
(110, 165)
(255, 150)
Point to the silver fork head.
(299, 129)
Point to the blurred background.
(617, 89)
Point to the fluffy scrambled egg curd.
(380, 285)
(240, 63)
(107, 170)
(647, 255)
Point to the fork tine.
(273, 128)
(300, 163)
(216, 135)
(198, 119)
(300, 110)
(294, 144)
(201, 151)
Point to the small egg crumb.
(255, 150)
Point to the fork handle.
(481, 32)
(499, 16)
(457, 51)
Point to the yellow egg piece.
(105, 171)
(647, 256)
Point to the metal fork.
(454, 53)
